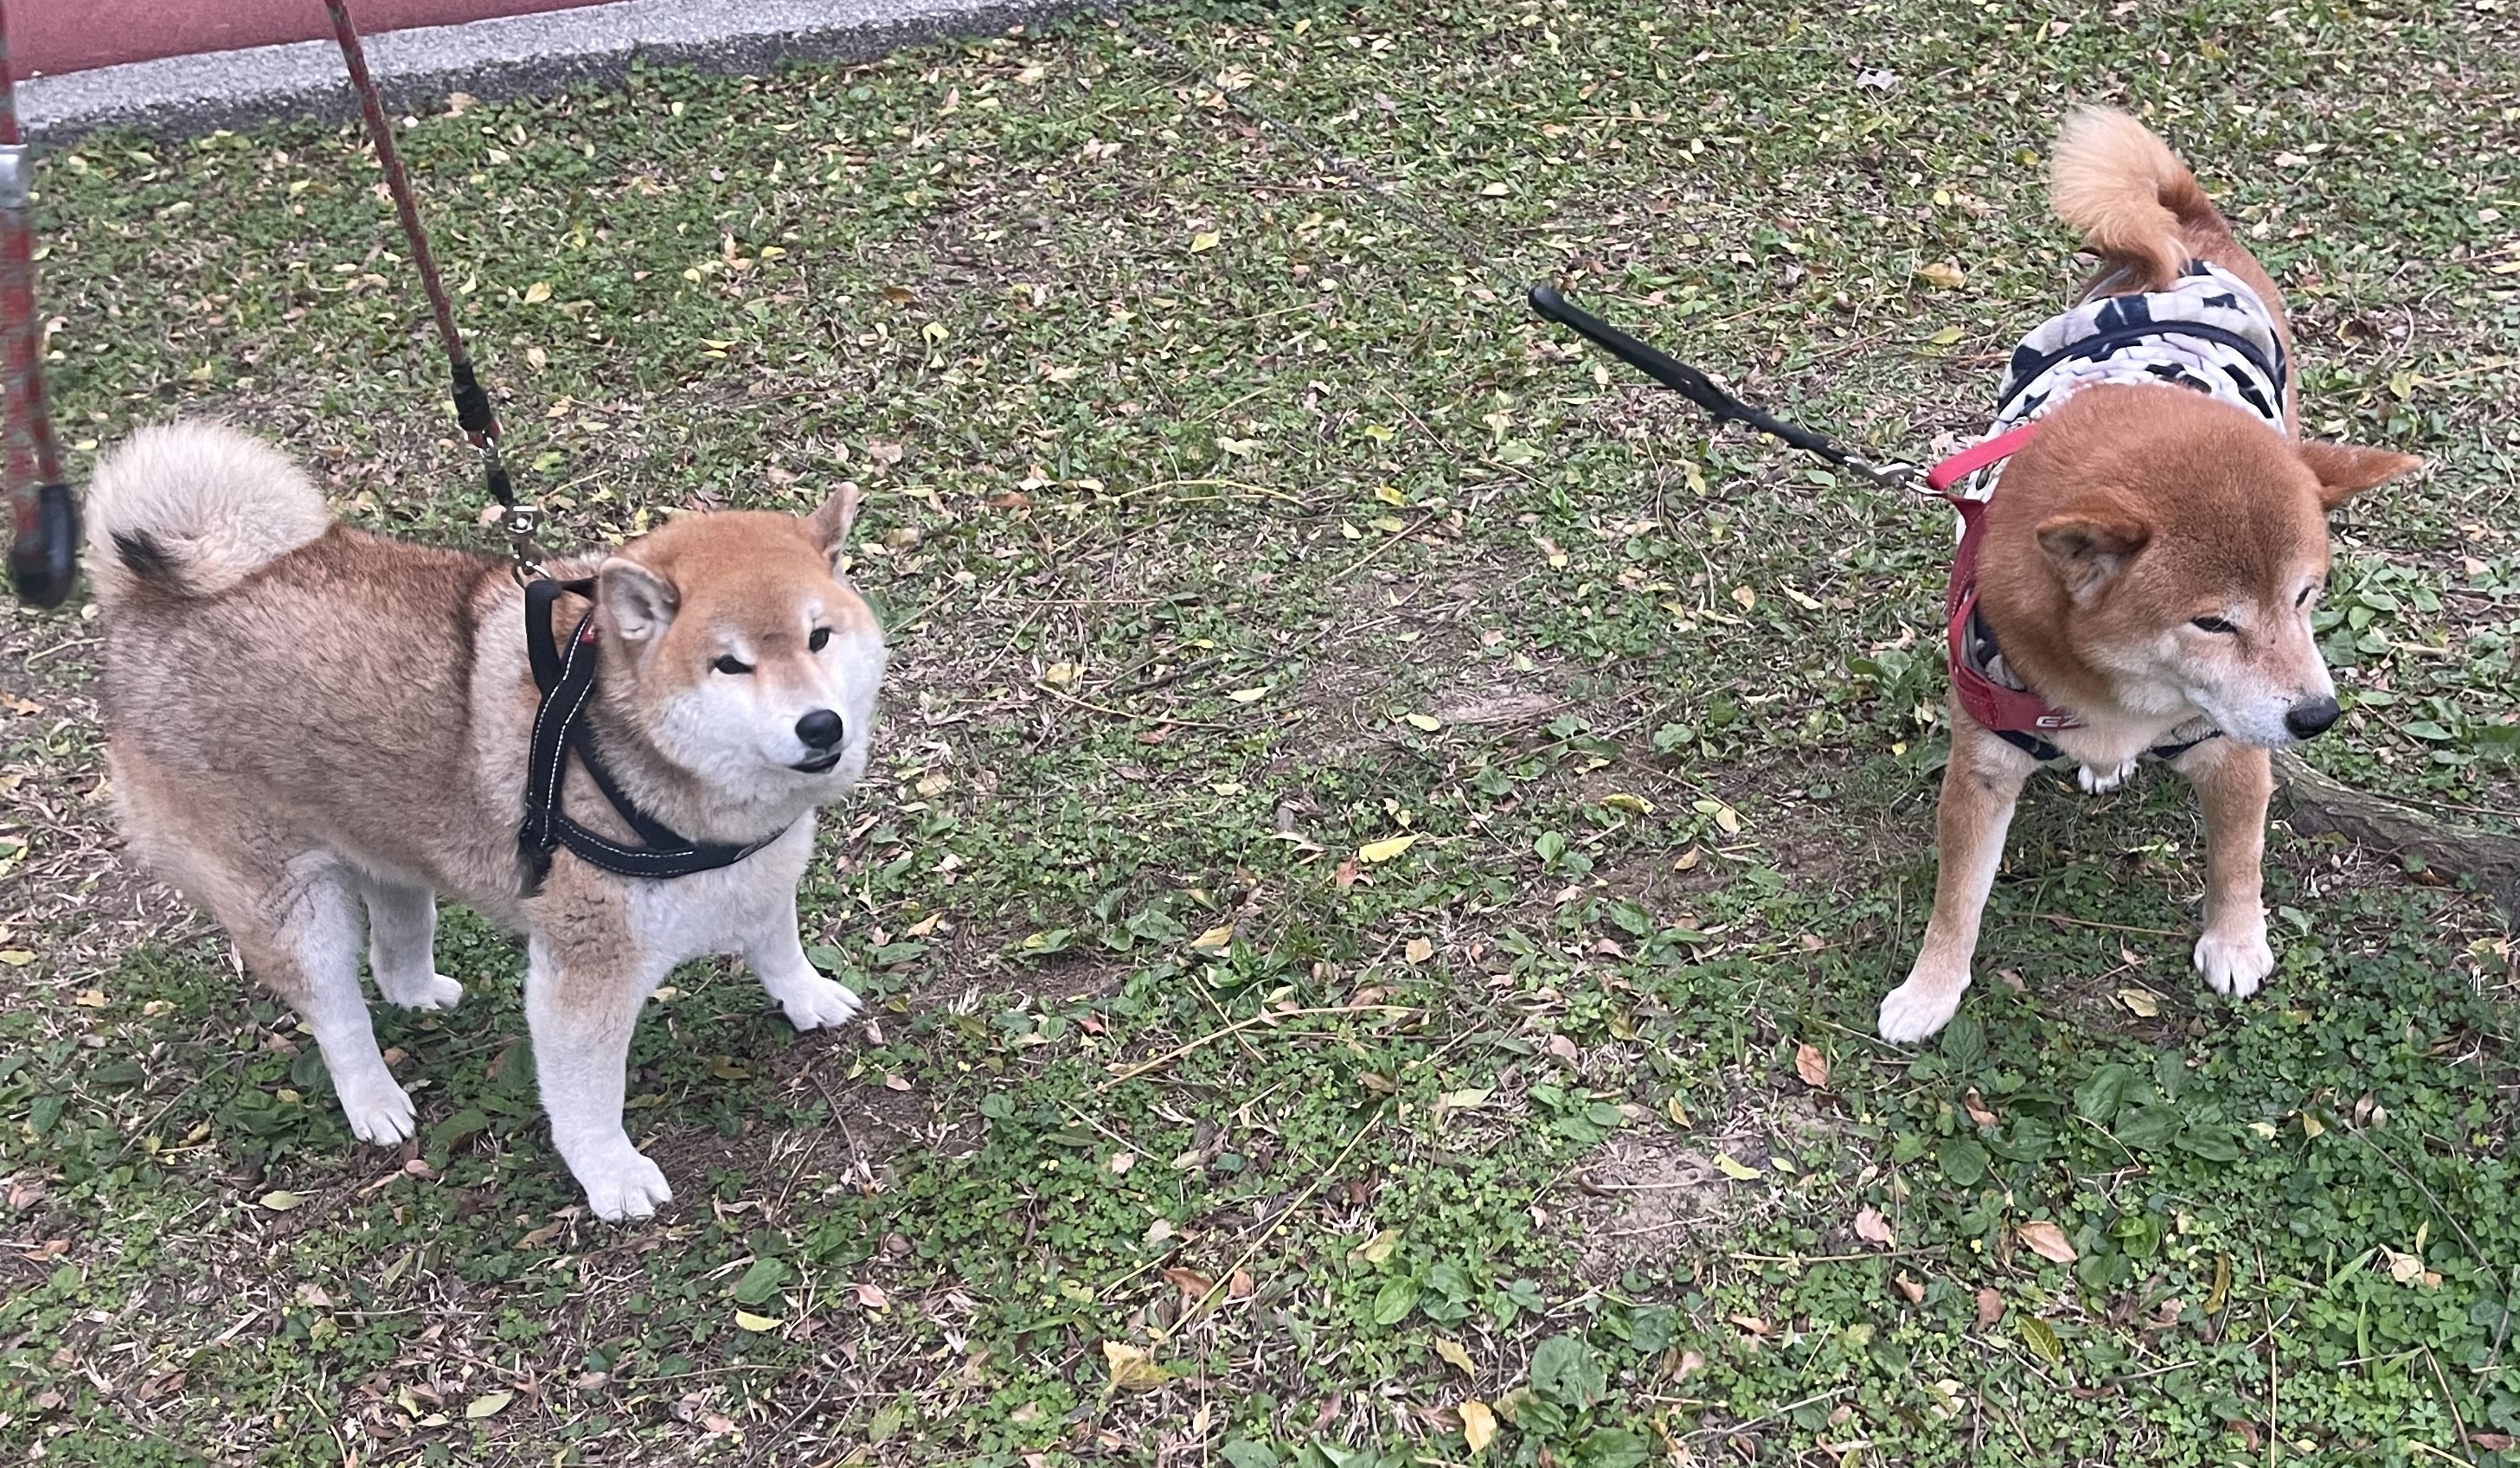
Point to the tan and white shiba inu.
(2144, 577)
(314, 732)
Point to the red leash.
(43, 555)
(472, 409)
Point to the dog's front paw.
(2103, 781)
(621, 1184)
(436, 992)
(378, 1110)
(818, 1002)
(1918, 1008)
(2235, 963)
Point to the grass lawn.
(1387, 838)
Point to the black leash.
(1694, 385)
(1546, 299)
(472, 407)
(567, 683)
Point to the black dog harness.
(567, 682)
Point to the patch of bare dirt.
(1652, 1196)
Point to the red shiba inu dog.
(313, 731)
(2143, 582)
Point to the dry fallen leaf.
(1457, 1354)
(1915, 1292)
(1690, 1362)
(1871, 1228)
(1376, 1250)
(747, 1321)
(1478, 1425)
(1943, 274)
(1132, 1371)
(1384, 851)
(2047, 1241)
(871, 1294)
(1990, 1307)
(1194, 1287)
(1975, 1105)
(1811, 1065)
(2142, 1003)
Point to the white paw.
(380, 1111)
(620, 1184)
(818, 1002)
(2100, 782)
(2235, 964)
(436, 992)
(1919, 1007)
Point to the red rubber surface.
(48, 37)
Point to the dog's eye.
(732, 664)
(2306, 593)
(821, 638)
(2212, 624)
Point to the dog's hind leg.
(402, 938)
(299, 934)
(293, 913)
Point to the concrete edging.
(506, 57)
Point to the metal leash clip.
(1892, 476)
(520, 520)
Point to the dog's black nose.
(2311, 717)
(821, 729)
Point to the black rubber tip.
(43, 562)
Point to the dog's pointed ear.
(829, 525)
(639, 602)
(2346, 470)
(2091, 542)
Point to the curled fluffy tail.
(192, 508)
(2129, 193)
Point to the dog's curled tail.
(2129, 193)
(192, 507)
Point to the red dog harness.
(2005, 710)
(2015, 715)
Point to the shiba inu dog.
(2143, 581)
(314, 732)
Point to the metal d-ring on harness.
(472, 409)
(43, 554)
